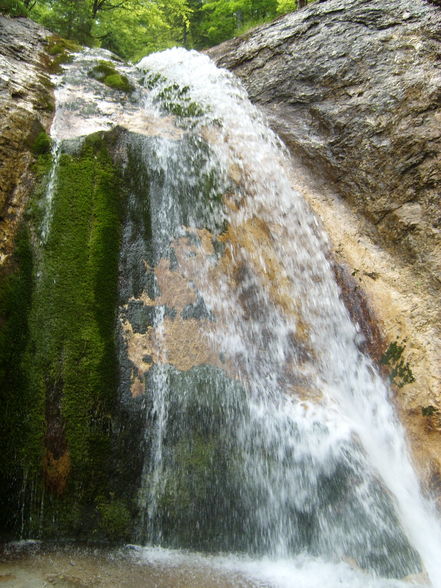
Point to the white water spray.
(50, 190)
(304, 463)
(354, 417)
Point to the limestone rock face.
(354, 89)
(26, 106)
(355, 86)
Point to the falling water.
(323, 463)
(50, 190)
(268, 433)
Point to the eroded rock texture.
(356, 86)
(354, 89)
(26, 106)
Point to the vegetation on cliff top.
(133, 28)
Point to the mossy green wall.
(58, 365)
(65, 470)
(16, 423)
(75, 299)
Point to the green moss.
(58, 364)
(22, 424)
(58, 367)
(103, 69)
(58, 45)
(428, 411)
(15, 302)
(60, 51)
(115, 519)
(106, 73)
(400, 371)
(152, 80)
(42, 144)
(75, 302)
(118, 82)
(173, 98)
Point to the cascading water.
(267, 431)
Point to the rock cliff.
(354, 89)
(26, 106)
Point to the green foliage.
(129, 28)
(13, 8)
(136, 29)
(285, 6)
(223, 19)
(132, 29)
(400, 370)
(71, 19)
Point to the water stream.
(268, 433)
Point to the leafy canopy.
(134, 28)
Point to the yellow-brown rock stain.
(56, 471)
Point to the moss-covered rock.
(42, 144)
(75, 299)
(119, 82)
(57, 355)
(115, 519)
(200, 500)
(173, 98)
(106, 73)
(60, 51)
(21, 420)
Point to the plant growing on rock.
(400, 371)
(106, 73)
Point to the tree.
(285, 6)
(223, 19)
(130, 28)
(133, 28)
(68, 18)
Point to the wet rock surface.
(26, 108)
(36, 566)
(354, 89)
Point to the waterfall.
(267, 431)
